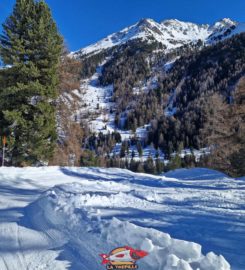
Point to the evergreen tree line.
(102, 144)
(196, 78)
(150, 165)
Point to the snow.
(148, 151)
(196, 153)
(170, 109)
(168, 65)
(171, 33)
(94, 104)
(93, 95)
(96, 108)
(145, 87)
(196, 174)
(63, 218)
(226, 22)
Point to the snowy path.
(62, 218)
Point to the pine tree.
(123, 150)
(149, 166)
(175, 162)
(139, 149)
(31, 45)
(237, 161)
(133, 165)
(140, 168)
(159, 166)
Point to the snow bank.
(161, 247)
(78, 217)
(196, 174)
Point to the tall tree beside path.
(31, 47)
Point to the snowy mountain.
(157, 99)
(63, 218)
(170, 33)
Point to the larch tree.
(225, 133)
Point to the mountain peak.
(145, 21)
(227, 21)
(224, 23)
(172, 33)
(171, 22)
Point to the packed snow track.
(55, 218)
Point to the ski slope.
(63, 218)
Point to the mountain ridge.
(171, 33)
(148, 108)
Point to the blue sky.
(83, 22)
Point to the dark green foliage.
(90, 63)
(123, 150)
(139, 148)
(149, 166)
(198, 85)
(174, 163)
(102, 144)
(159, 166)
(196, 78)
(237, 161)
(127, 67)
(133, 165)
(32, 46)
(88, 159)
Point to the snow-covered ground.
(63, 218)
(95, 100)
(96, 108)
(148, 151)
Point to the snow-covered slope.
(171, 33)
(63, 218)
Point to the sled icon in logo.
(123, 258)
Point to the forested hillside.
(152, 97)
(183, 103)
